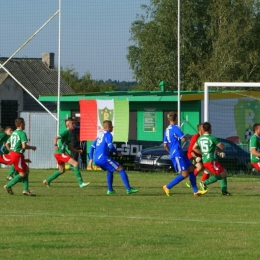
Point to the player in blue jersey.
(172, 138)
(100, 153)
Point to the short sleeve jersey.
(16, 139)
(103, 145)
(207, 144)
(172, 137)
(65, 139)
(3, 138)
(254, 143)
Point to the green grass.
(66, 222)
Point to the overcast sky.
(94, 33)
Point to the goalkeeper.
(195, 158)
(207, 145)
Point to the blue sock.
(124, 178)
(193, 182)
(110, 177)
(175, 181)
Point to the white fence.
(40, 129)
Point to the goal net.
(232, 109)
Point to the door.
(9, 112)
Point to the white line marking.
(19, 214)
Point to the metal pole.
(27, 41)
(206, 102)
(178, 65)
(58, 94)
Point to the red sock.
(205, 176)
(196, 172)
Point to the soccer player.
(11, 172)
(61, 142)
(254, 145)
(208, 144)
(99, 152)
(181, 163)
(75, 139)
(17, 144)
(195, 158)
(4, 153)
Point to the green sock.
(78, 174)
(223, 184)
(53, 176)
(212, 179)
(11, 183)
(25, 182)
(16, 172)
(11, 171)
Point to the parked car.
(157, 159)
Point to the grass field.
(66, 222)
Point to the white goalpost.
(208, 85)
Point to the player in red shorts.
(60, 143)
(254, 145)
(17, 144)
(4, 153)
(208, 145)
(195, 158)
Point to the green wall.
(190, 110)
(65, 111)
(156, 134)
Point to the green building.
(148, 110)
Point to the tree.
(85, 84)
(71, 77)
(219, 42)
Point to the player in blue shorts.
(99, 152)
(172, 137)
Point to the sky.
(95, 34)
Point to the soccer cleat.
(9, 190)
(188, 184)
(28, 193)
(203, 186)
(46, 183)
(200, 192)
(167, 191)
(9, 178)
(111, 192)
(131, 191)
(84, 184)
(226, 193)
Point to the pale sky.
(94, 33)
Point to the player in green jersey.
(4, 153)
(208, 145)
(17, 144)
(61, 142)
(254, 145)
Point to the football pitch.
(66, 222)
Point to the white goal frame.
(207, 85)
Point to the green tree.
(71, 77)
(85, 84)
(219, 42)
(234, 33)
